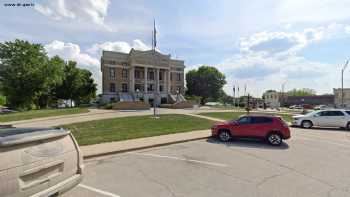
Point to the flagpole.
(234, 96)
(238, 96)
(154, 33)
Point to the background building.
(337, 97)
(272, 99)
(310, 100)
(141, 75)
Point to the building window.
(150, 87)
(125, 73)
(151, 75)
(137, 74)
(178, 76)
(161, 88)
(112, 73)
(112, 87)
(138, 87)
(171, 76)
(160, 75)
(124, 87)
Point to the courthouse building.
(141, 75)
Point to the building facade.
(338, 97)
(272, 99)
(310, 100)
(141, 75)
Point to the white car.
(324, 118)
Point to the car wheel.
(348, 126)
(224, 135)
(306, 124)
(274, 139)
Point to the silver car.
(38, 162)
(324, 118)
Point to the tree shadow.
(248, 143)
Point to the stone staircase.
(125, 97)
(176, 98)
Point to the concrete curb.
(140, 148)
(109, 148)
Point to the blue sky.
(261, 43)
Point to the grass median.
(15, 116)
(124, 128)
(235, 115)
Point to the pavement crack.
(268, 178)
(165, 186)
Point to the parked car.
(320, 107)
(296, 107)
(38, 162)
(307, 106)
(271, 128)
(324, 118)
(4, 110)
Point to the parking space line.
(98, 190)
(324, 141)
(181, 159)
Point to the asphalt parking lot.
(313, 162)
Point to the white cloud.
(83, 10)
(267, 59)
(260, 73)
(118, 46)
(70, 51)
(287, 43)
(290, 11)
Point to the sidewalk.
(141, 143)
(206, 117)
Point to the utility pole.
(248, 106)
(342, 82)
(282, 93)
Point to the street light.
(342, 82)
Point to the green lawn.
(235, 115)
(117, 129)
(14, 116)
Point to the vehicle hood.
(221, 123)
(299, 116)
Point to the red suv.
(271, 128)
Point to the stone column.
(132, 79)
(157, 80)
(169, 82)
(145, 79)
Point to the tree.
(22, 72)
(86, 88)
(54, 70)
(77, 84)
(301, 92)
(206, 82)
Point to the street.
(314, 162)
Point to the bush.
(108, 106)
(2, 100)
(196, 99)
